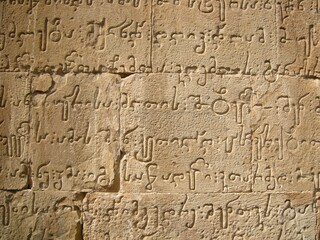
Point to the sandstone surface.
(159, 119)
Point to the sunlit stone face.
(159, 119)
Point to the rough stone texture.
(199, 216)
(14, 130)
(159, 119)
(75, 36)
(186, 136)
(75, 131)
(31, 214)
(285, 147)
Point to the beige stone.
(75, 133)
(222, 38)
(285, 125)
(14, 130)
(199, 216)
(236, 37)
(183, 133)
(39, 215)
(209, 133)
(159, 119)
(75, 36)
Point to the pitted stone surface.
(199, 216)
(14, 130)
(31, 214)
(159, 119)
(75, 132)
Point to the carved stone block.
(199, 216)
(14, 130)
(39, 215)
(75, 132)
(75, 36)
(183, 133)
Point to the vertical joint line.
(151, 33)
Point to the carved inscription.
(285, 141)
(236, 37)
(187, 134)
(39, 215)
(75, 122)
(83, 36)
(14, 131)
(159, 119)
(199, 216)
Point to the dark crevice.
(13, 190)
(115, 187)
(122, 154)
(116, 183)
(125, 74)
(79, 235)
(79, 210)
(312, 77)
(61, 72)
(37, 71)
(29, 176)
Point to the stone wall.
(159, 119)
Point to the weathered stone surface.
(223, 38)
(14, 130)
(75, 138)
(39, 215)
(233, 37)
(199, 216)
(186, 135)
(75, 36)
(159, 119)
(285, 125)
